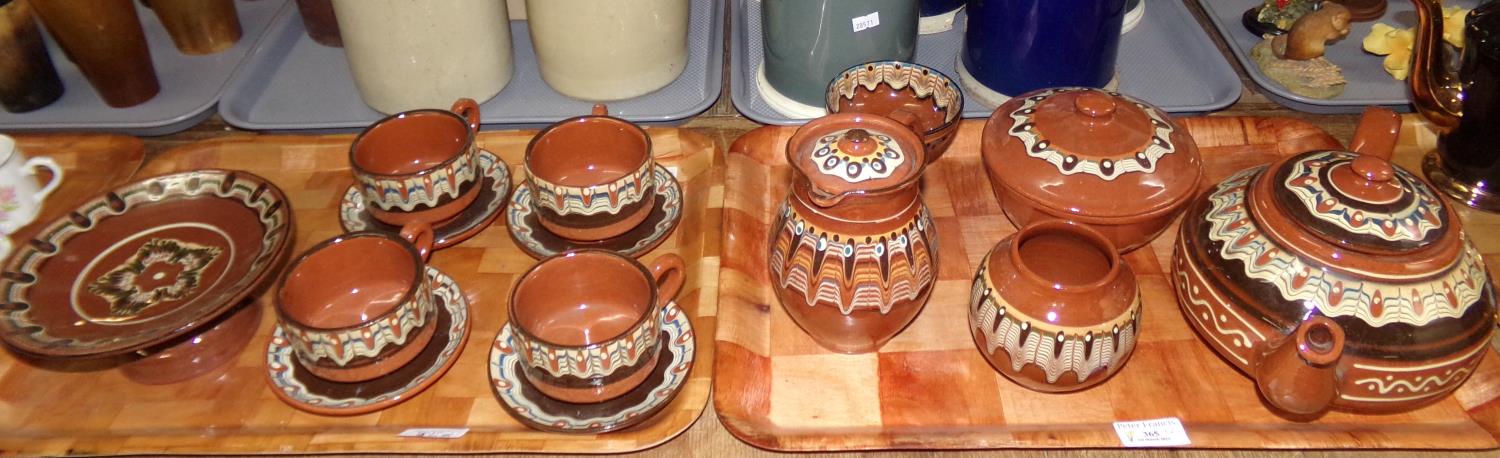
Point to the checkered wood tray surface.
(930, 388)
(232, 410)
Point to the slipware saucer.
(479, 215)
(539, 243)
(299, 388)
(534, 409)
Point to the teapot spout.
(1298, 373)
(1436, 92)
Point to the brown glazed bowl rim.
(649, 157)
(470, 134)
(651, 309)
(1115, 220)
(1070, 228)
(406, 297)
(957, 107)
(276, 259)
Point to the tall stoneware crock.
(407, 55)
(1336, 280)
(852, 253)
(605, 50)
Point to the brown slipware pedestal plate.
(145, 264)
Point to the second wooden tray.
(930, 387)
(232, 410)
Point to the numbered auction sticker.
(435, 433)
(1161, 432)
(868, 21)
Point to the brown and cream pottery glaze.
(587, 323)
(420, 165)
(1054, 308)
(926, 100)
(852, 252)
(591, 177)
(143, 264)
(1336, 280)
(359, 306)
(1106, 160)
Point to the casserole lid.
(1091, 153)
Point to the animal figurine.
(1295, 59)
(1311, 34)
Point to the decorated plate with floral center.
(143, 264)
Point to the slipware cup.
(587, 323)
(591, 176)
(358, 306)
(419, 165)
(21, 196)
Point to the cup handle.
(419, 234)
(49, 164)
(469, 110)
(600, 110)
(670, 273)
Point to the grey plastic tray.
(1168, 60)
(189, 84)
(292, 83)
(1369, 84)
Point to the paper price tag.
(1161, 432)
(435, 433)
(867, 21)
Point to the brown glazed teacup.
(587, 322)
(358, 306)
(591, 176)
(419, 165)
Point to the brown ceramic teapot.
(852, 253)
(1336, 280)
(1099, 158)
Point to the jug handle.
(1378, 130)
(1435, 91)
(1298, 372)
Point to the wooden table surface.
(723, 124)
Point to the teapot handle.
(1298, 373)
(1377, 133)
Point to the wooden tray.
(930, 388)
(233, 411)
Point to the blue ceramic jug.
(1016, 46)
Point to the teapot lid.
(854, 153)
(1091, 153)
(1359, 202)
